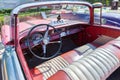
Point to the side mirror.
(2, 48)
(97, 5)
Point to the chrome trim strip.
(11, 69)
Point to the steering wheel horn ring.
(45, 41)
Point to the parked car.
(82, 13)
(59, 46)
(112, 19)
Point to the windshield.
(51, 13)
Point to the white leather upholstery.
(98, 65)
(85, 49)
(52, 66)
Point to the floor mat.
(68, 45)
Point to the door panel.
(94, 32)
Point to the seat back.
(97, 65)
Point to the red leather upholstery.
(41, 72)
(94, 31)
(71, 56)
(75, 54)
(113, 46)
(61, 75)
(36, 74)
(97, 65)
(50, 67)
(113, 49)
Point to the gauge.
(62, 34)
(37, 38)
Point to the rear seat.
(97, 65)
(50, 67)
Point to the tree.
(106, 2)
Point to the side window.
(104, 21)
(97, 15)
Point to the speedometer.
(37, 38)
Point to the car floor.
(115, 75)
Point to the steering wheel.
(44, 40)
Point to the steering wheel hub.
(45, 41)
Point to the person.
(115, 4)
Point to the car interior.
(82, 41)
(71, 50)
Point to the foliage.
(5, 11)
(1, 21)
(29, 12)
(105, 2)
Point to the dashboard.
(63, 28)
